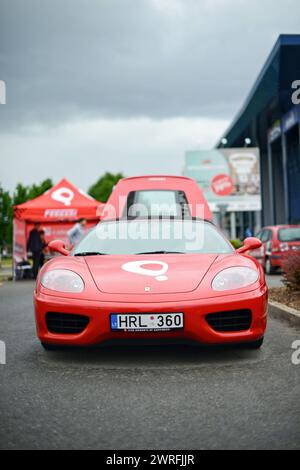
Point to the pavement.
(144, 398)
(275, 280)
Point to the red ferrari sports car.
(152, 279)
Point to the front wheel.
(51, 347)
(254, 344)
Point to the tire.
(254, 344)
(51, 347)
(268, 267)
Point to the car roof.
(155, 178)
(279, 227)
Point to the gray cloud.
(62, 59)
(84, 150)
(125, 85)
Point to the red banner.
(20, 242)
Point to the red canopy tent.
(57, 211)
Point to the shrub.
(291, 270)
(236, 243)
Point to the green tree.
(6, 216)
(102, 189)
(21, 194)
(27, 193)
(37, 190)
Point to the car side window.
(270, 235)
(265, 236)
(259, 235)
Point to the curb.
(283, 313)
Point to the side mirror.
(250, 244)
(59, 247)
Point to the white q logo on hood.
(63, 195)
(135, 267)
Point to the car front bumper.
(196, 327)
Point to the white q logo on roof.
(135, 267)
(63, 195)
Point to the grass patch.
(6, 263)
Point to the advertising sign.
(228, 177)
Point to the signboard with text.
(227, 176)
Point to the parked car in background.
(278, 242)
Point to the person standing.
(45, 244)
(248, 232)
(35, 245)
(77, 232)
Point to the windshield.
(127, 237)
(289, 234)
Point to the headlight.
(62, 280)
(234, 278)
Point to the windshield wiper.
(161, 253)
(90, 253)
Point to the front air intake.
(230, 322)
(66, 324)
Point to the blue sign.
(290, 119)
(275, 131)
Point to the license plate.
(135, 322)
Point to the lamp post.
(222, 214)
(224, 142)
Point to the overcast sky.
(125, 85)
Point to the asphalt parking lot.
(137, 397)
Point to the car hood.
(161, 274)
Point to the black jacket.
(34, 243)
